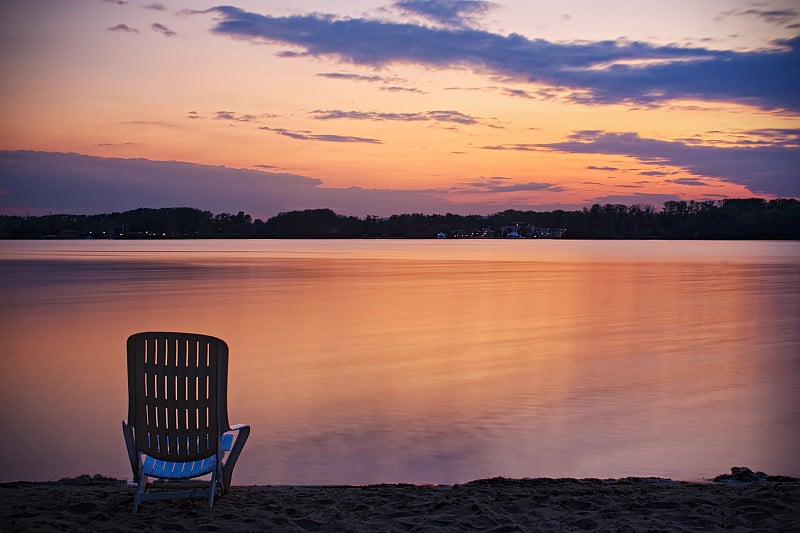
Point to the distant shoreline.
(333, 239)
(732, 219)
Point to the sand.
(740, 502)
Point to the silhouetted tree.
(749, 218)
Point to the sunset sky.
(375, 107)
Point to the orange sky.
(477, 106)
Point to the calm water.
(418, 361)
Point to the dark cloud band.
(601, 72)
(766, 169)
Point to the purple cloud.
(500, 184)
(598, 72)
(693, 182)
(123, 28)
(397, 89)
(308, 136)
(434, 116)
(351, 77)
(46, 182)
(230, 115)
(768, 169)
(453, 13)
(607, 169)
(779, 17)
(654, 173)
(163, 30)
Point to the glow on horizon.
(163, 82)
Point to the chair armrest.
(235, 447)
(227, 437)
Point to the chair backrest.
(177, 394)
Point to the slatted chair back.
(177, 394)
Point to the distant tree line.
(752, 218)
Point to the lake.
(430, 361)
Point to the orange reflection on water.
(374, 361)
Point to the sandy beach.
(741, 501)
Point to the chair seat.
(177, 470)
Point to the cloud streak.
(308, 136)
(350, 77)
(499, 184)
(429, 116)
(124, 28)
(604, 72)
(386, 81)
(230, 115)
(163, 30)
(778, 17)
(764, 170)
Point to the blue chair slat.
(177, 470)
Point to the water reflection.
(359, 362)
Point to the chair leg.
(211, 490)
(140, 488)
(127, 432)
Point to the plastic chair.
(177, 429)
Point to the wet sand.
(740, 502)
